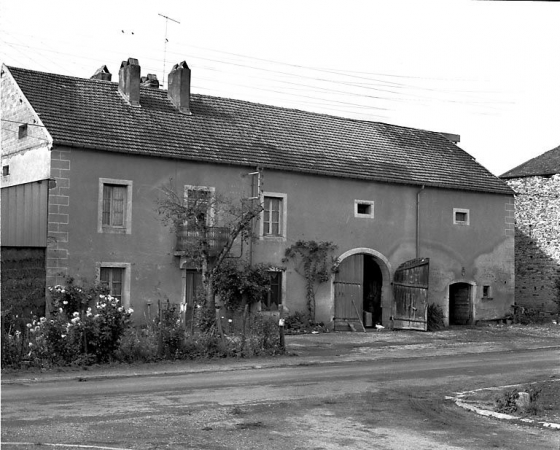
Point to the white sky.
(488, 71)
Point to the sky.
(487, 71)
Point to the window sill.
(114, 230)
(273, 238)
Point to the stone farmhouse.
(537, 231)
(416, 220)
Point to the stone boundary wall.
(59, 219)
(537, 241)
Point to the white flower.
(129, 310)
(43, 319)
(63, 336)
(230, 320)
(89, 313)
(120, 308)
(75, 320)
(60, 309)
(29, 325)
(31, 344)
(76, 314)
(65, 302)
(96, 316)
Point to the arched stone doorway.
(361, 290)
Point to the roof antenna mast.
(167, 19)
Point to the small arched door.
(460, 304)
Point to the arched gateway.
(361, 289)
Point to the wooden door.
(348, 293)
(410, 292)
(459, 304)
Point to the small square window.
(5, 171)
(461, 216)
(22, 131)
(363, 208)
(486, 292)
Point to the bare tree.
(207, 225)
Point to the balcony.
(188, 238)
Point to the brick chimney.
(129, 81)
(150, 81)
(102, 74)
(179, 87)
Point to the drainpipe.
(418, 221)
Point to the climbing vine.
(315, 262)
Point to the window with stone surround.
(273, 223)
(116, 277)
(461, 216)
(114, 206)
(364, 208)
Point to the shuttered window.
(114, 205)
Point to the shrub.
(436, 318)
(299, 323)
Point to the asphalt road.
(385, 404)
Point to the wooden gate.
(410, 291)
(348, 294)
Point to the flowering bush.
(74, 333)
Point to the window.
(486, 292)
(273, 224)
(116, 277)
(5, 171)
(272, 216)
(363, 208)
(461, 216)
(115, 206)
(112, 278)
(22, 131)
(273, 298)
(199, 200)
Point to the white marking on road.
(65, 445)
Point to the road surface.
(383, 404)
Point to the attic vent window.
(22, 131)
(363, 208)
(461, 216)
(5, 171)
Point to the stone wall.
(537, 241)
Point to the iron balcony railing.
(188, 238)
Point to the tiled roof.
(87, 113)
(546, 164)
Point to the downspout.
(418, 221)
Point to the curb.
(459, 401)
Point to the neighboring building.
(537, 231)
(416, 219)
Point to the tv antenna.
(167, 19)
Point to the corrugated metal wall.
(25, 215)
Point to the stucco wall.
(319, 208)
(28, 157)
(537, 246)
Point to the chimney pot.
(179, 87)
(102, 74)
(150, 81)
(129, 81)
